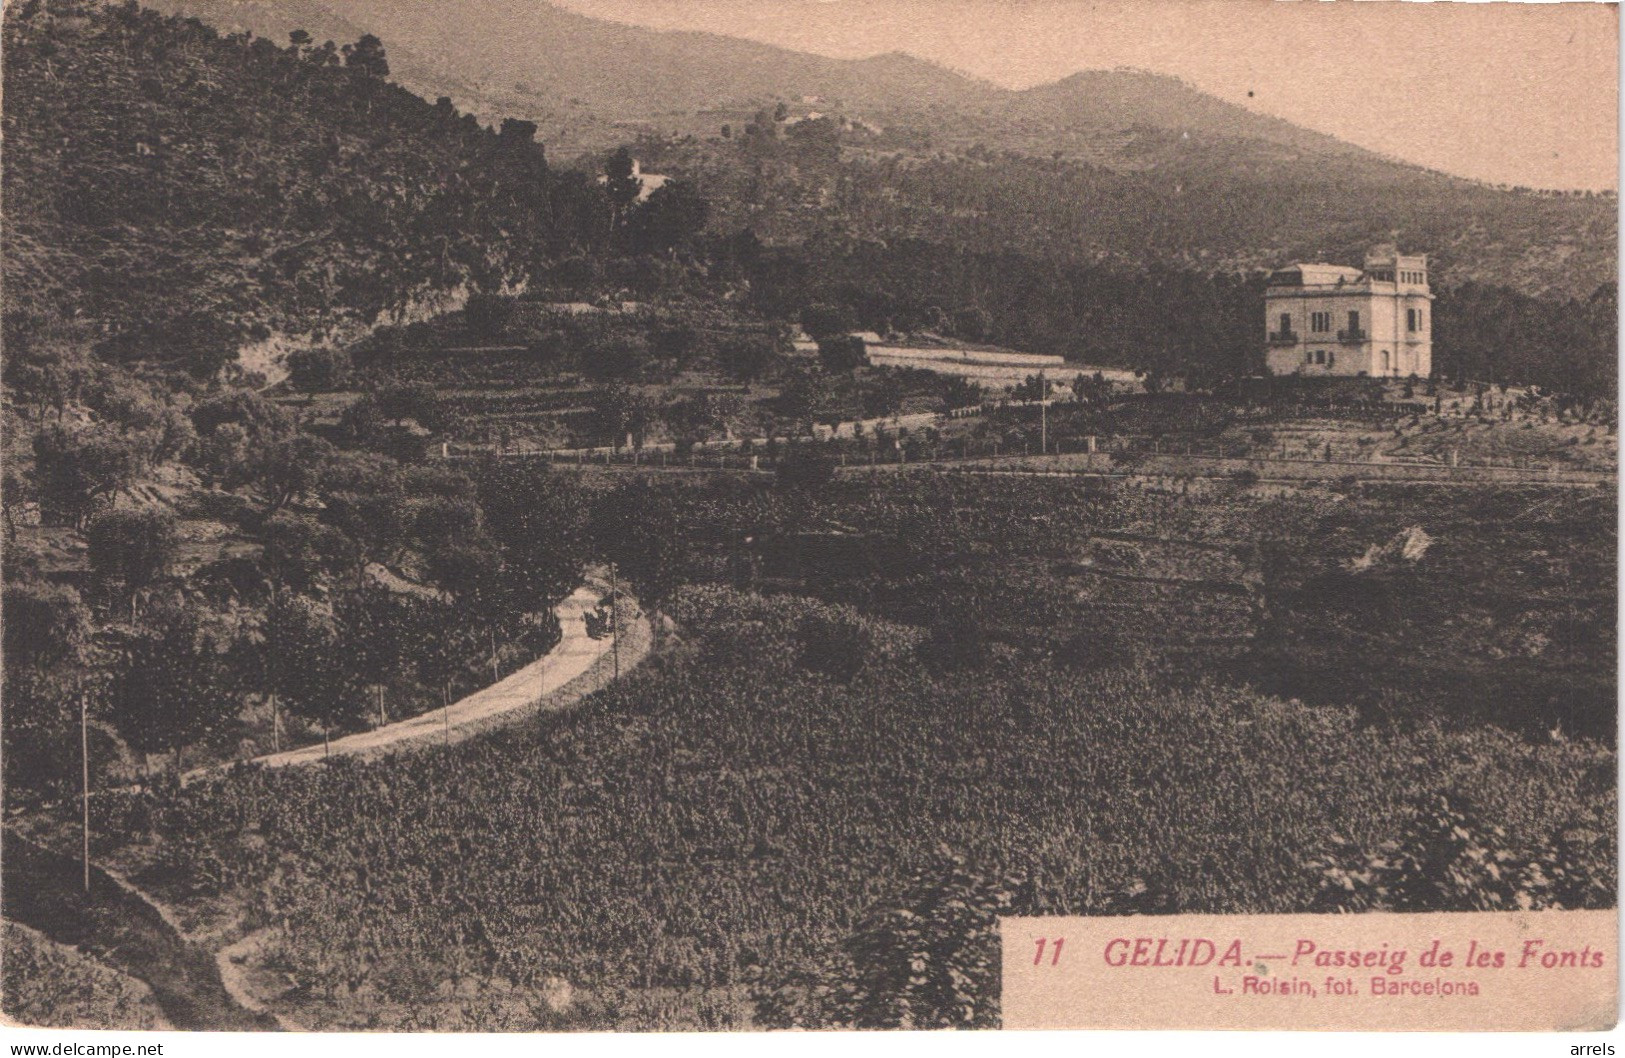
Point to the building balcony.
(1355, 335)
(1284, 338)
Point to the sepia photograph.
(707, 516)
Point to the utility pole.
(84, 779)
(1043, 415)
(615, 618)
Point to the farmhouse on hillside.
(1325, 319)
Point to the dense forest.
(1137, 194)
(191, 560)
(1175, 322)
(185, 192)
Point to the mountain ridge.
(617, 69)
(1211, 181)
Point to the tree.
(377, 628)
(306, 664)
(826, 321)
(444, 646)
(746, 356)
(516, 132)
(676, 343)
(318, 370)
(622, 185)
(884, 396)
(805, 467)
(132, 549)
(535, 518)
(298, 551)
(16, 492)
(622, 411)
(960, 392)
(442, 521)
(928, 959)
(845, 352)
(289, 468)
(815, 143)
(487, 315)
(1034, 387)
(630, 526)
(375, 523)
(50, 375)
(366, 56)
(674, 214)
(468, 566)
(260, 419)
(47, 636)
(76, 471)
(973, 323)
(417, 401)
(360, 421)
(801, 395)
(172, 687)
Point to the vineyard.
(683, 850)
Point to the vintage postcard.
(549, 516)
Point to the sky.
(1516, 93)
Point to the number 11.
(1055, 957)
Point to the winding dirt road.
(569, 663)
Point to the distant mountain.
(520, 48)
(1118, 99)
(1213, 184)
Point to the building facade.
(1323, 319)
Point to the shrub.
(804, 467)
(835, 646)
(956, 642)
(1449, 860)
(927, 960)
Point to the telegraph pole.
(84, 780)
(1043, 415)
(615, 618)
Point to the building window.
(1308, 356)
(1320, 322)
(1320, 356)
(1354, 324)
(1286, 323)
(1410, 320)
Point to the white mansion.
(1329, 320)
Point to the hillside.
(212, 190)
(1120, 99)
(581, 78)
(1122, 165)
